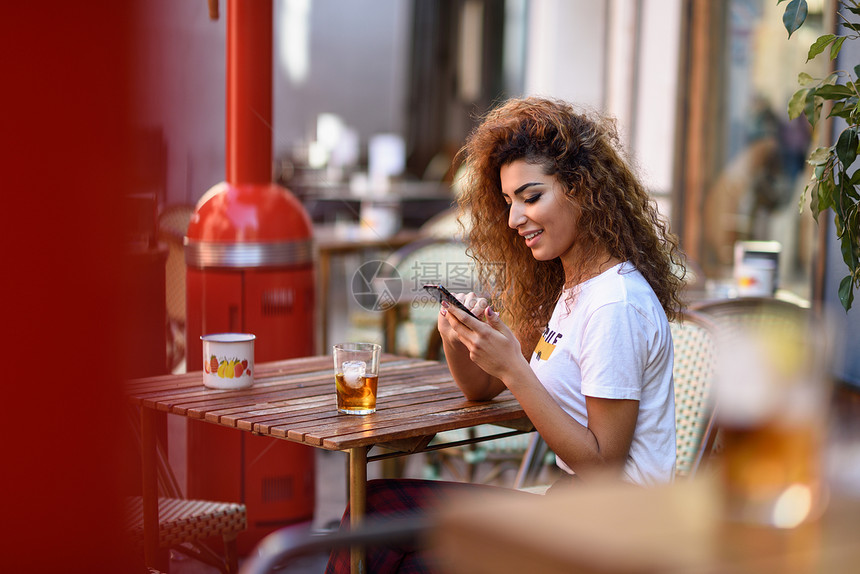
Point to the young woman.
(588, 286)
(583, 284)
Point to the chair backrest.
(734, 315)
(172, 226)
(694, 338)
(429, 260)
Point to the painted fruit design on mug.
(227, 368)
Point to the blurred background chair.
(184, 525)
(732, 315)
(409, 323)
(172, 227)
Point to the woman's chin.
(540, 255)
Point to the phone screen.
(442, 294)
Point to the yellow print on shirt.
(546, 344)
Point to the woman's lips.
(533, 237)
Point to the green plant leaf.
(812, 107)
(813, 200)
(794, 15)
(849, 256)
(839, 110)
(846, 292)
(797, 103)
(846, 147)
(837, 45)
(818, 46)
(805, 79)
(834, 92)
(825, 196)
(838, 228)
(819, 157)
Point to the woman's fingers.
(474, 303)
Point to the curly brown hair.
(618, 216)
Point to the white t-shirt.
(612, 340)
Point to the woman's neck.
(574, 274)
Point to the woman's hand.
(490, 343)
(473, 303)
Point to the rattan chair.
(186, 525)
(694, 337)
(734, 315)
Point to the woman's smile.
(532, 237)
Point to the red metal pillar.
(249, 91)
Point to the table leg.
(357, 501)
(153, 555)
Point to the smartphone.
(442, 294)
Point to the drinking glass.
(772, 405)
(356, 374)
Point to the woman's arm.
(599, 448)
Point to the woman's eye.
(532, 199)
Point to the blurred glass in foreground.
(772, 404)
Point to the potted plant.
(834, 184)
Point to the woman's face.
(546, 220)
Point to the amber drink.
(356, 367)
(772, 410)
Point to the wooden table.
(624, 529)
(329, 244)
(295, 400)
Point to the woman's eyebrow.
(525, 186)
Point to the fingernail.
(444, 304)
(443, 311)
(490, 312)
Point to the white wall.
(657, 101)
(565, 55)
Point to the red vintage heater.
(249, 258)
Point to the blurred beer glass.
(772, 404)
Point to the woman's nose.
(516, 217)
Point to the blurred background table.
(334, 242)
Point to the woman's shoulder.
(623, 286)
(617, 283)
